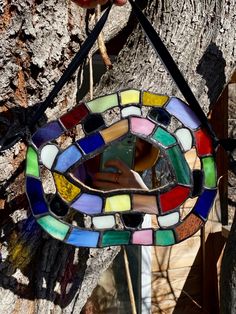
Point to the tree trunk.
(38, 38)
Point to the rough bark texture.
(39, 274)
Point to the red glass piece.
(173, 198)
(74, 116)
(203, 143)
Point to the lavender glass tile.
(49, 132)
(88, 204)
(183, 113)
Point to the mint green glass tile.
(180, 165)
(54, 227)
(32, 166)
(164, 137)
(164, 237)
(101, 104)
(115, 238)
(210, 177)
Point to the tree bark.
(38, 38)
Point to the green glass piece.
(180, 165)
(115, 238)
(164, 237)
(164, 137)
(54, 227)
(32, 166)
(210, 177)
(101, 104)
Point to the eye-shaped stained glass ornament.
(116, 215)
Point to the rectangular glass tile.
(115, 131)
(118, 203)
(68, 158)
(163, 137)
(91, 143)
(150, 99)
(141, 126)
(65, 188)
(32, 167)
(88, 204)
(145, 203)
(183, 113)
(188, 227)
(101, 104)
(74, 116)
(104, 222)
(131, 111)
(179, 164)
(168, 220)
(35, 194)
(164, 237)
(143, 237)
(210, 176)
(174, 198)
(50, 131)
(83, 238)
(115, 238)
(204, 203)
(203, 143)
(130, 96)
(54, 227)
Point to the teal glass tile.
(115, 238)
(164, 237)
(164, 137)
(53, 226)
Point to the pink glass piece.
(142, 126)
(143, 237)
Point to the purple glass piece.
(183, 113)
(83, 238)
(67, 158)
(35, 195)
(49, 132)
(88, 204)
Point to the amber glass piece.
(65, 188)
(150, 99)
(115, 131)
(188, 227)
(145, 203)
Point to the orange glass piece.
(115, 131)
(188, 227)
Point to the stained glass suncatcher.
(106, 207)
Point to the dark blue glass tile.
(35, 194)
(160, 115)
(83, 238)
(47, 133)
(91, 143)
(204, 203)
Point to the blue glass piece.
(35, 194)
(183, 113)
(204, 203)
(47, 133)
(160, 115)
(67, 158)
(91, 142)
(83, 238)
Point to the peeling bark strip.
(38, 38)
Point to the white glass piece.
(104, 222)
(129, 111)
(168, 220)
(48, 155)
(185, 138)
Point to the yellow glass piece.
(118, 203)
(150, 99)
(65, 188)
(130, 96)
(115, 131)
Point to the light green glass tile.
(210, 177)
(164, 237)
(54, 227)
(131, 96)
(101, 104)
(180, 165)
(32, 166)
(164, 137)
(115, 238)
